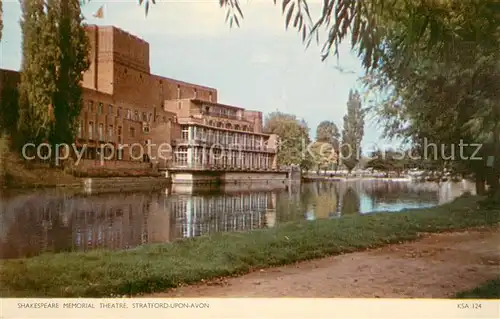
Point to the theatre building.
(125, 104)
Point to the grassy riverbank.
(159, 267)
(16, 174)
(488, 290)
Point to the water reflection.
(53, 221)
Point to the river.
(57, 221)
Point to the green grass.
(158, 267)
(488, 290)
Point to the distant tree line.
(330, 150)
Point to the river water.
(54, 221)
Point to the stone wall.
(207, 177)
(238, 177)
(85, 164)
(120, 184)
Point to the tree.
(388, 160)
(323, 155)
(431, 81)
(71, 63)
(353, 131)
(9, 105)
(37, 84)
(328, 132)
(294, 138)
(55, 55)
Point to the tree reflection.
(350, 202)
(391, 193)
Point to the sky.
(259, 66)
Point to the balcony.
(234, 146)
(221, 115)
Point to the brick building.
(124, 104)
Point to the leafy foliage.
(366, 23)
(9, 106)
(37, 83)
(446, 94)
(294, 138)
(389, 160)
(328, 132)
(55, 55)
(71, 62)
(323, 155)
(353, 131)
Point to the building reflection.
(206, 215)
(56, 222)
(40, 223)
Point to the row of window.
(219, 204)
(224, 158)
(221, 112)
(222, 137)
(127, 113)
(230, 126)
(100, 134)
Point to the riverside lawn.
(157, 267)
(488, 290)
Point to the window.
(195, 93)
(185, 133)
(164, 119)
(91, 130)
(119, 112)
(129, 114)
(80, 127)
(150, 117)
(100, 107)
(101, 132)
(144, 117)
(178, 92)
(119, 153)
(132, 132)
(110, 131)
(181, 156)
(210, 96)
(119, 133)
(90, 106)
(110, 109)
(136, 115)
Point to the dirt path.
(437, 266)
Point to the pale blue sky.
(259, 66)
